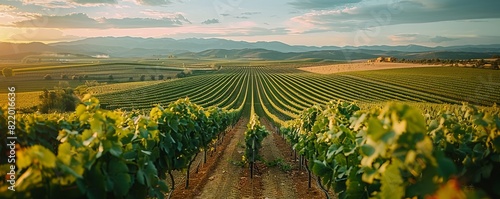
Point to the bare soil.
(227, 180)
(360, 66)
(217, 171)
(297, 176)
(221, 177)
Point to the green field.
(279, 87)
(340, 125)
(287, 91)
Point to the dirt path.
(277, 183)
(294, 182)
(224, 181)
(220, 177)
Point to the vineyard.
(398, 133)
(286, 91)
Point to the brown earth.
(222, 177)
(218, 170)
(360, 66)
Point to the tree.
(480, 63)
(63, 76)
(143, 77)
(494, 65)
(131, 79)
(59, 100)
(153, 77)
(180, 75)
(160, 77)
(110, 77)
(47, 77)
(7, 72)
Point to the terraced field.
(283, 92)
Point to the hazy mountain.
(147, 47)
(14, 48)
(198, 45)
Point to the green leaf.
(446, 166)
(179, 146)
(375, 129)
(174, 125)
(67, 169)
(392, 183)
(480, 122)
(478, 149)
(87, 137)
(140, 176)
(320, 168)
(94, 181)
(44, 156)
(151, 174)
(355, 186)
(367, 150)
(96, 125)
(163, 186)
(144, 133)
(80, 109)
(130, 155)
(496, 144)
(64, 153)
(369, 174)
(118, 171)
(116, 149)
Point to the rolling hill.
(222, 48)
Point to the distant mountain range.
(222, 48)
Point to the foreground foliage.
(97, 153)
(400, 152)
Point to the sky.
(295, 22)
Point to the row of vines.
(400, 152)
(97, 153)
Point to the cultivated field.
(360, 66)
(319, 133)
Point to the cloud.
(408, 38)
(210, 21)
(234, 32)
(68, 3)
(368, 16)
(153, 2)
(440, 39)
(85, 2)
(165, 15)
(42, 35)
(250, 13)
(241, 17)
(419, 38)
(6, 8)
(321, 4)
(80, 20)
(50, 3)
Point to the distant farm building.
(384, 59)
